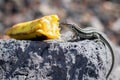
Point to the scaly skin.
(91, 33)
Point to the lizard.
(91, 33)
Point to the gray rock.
(35, 60)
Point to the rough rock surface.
(35, 60)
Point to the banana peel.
(46, 27)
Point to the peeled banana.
(46, 27)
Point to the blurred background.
(101, 14)
(104, 15)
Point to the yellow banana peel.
(46, 27)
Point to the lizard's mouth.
(68, 33)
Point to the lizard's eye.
(96, 35)
(72, 26)
(68, 32)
